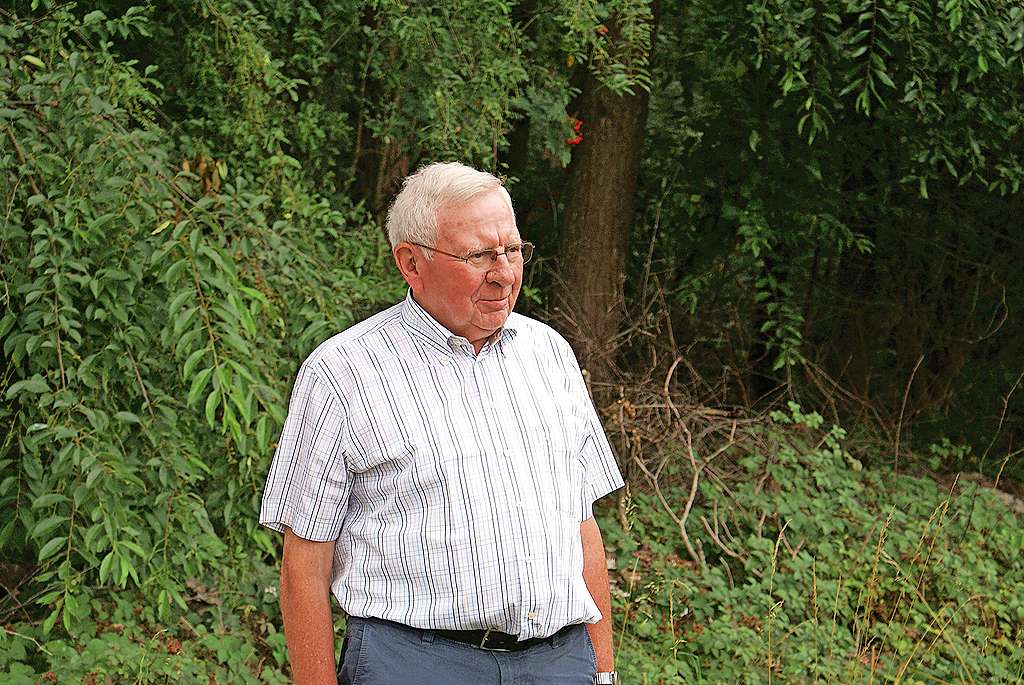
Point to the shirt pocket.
(397, 419)
(548, 455)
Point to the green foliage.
(157, 304)
(189, 200)
(833, 572)
(125, 644)
(827, 184)
(614, 38)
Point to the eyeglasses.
(519, 253)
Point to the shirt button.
(532, 616)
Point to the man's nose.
(502, 271)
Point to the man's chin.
(491, 321)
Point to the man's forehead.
(477, 230)
(470, 240)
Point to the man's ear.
(409, 261)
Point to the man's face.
(471, 302)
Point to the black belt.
(492, 640)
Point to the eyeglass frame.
(494, 261)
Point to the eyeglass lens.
(515, 253)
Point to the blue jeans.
(384, 653)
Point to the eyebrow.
(517, 241)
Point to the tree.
(599, 212)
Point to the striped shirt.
(453, 483)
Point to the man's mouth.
(494, 304)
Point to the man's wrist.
(607, 678)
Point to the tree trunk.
(598, 218)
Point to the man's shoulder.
(535, 332)
(355, 338)
(522, 323)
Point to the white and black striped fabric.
(453, 483)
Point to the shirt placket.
(519, 512)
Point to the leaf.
(7, 323)
(235, 341)
(192, 361)
(183, 319)
(50, 548)
(246, 316)
(48, 499)
(50, 620)
(852, 86)
(220, 379)
(262, 432)
(242, 397)
(47, 525)
(92, 536)
(179, 300)
(186, 341)
(211, 406)
(174, 269)
(253, 293)
(215, 256)
(95, 473)
(36, 385)
(160, 254)
(134, 547)
(127, 417)
(105, 566)
(198, 384)
(33, 60)
(71, 607)
(5, 533)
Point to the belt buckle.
(483, 642)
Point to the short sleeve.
(308, 485)
(601, 474)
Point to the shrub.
(820, 572)
(157, 303)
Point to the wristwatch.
(607, 678)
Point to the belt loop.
(427, 636)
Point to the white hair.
(413, 216)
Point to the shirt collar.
(420, 322)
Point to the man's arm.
(595, 574)
(306, 608)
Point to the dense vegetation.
(742, 211)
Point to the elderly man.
(437, 470)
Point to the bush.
(820, 572)
(157, 305)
